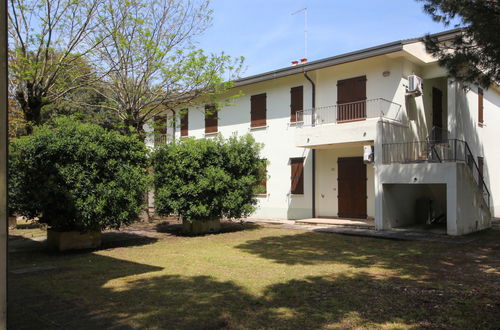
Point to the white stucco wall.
(482, 140)
(278, 143)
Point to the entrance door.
(351, 99)
(352, 187)
(437, 115)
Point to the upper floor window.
(160, 129)
(258, 110)
(480, 108)
(296, 102)
(351, 99)
(210, 119)
(297, 175)
(184, 122)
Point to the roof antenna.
(305, 28)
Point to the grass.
(263, 277)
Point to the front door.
(352, 187)
(437, 115)
(351, 99)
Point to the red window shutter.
(210, 119)
(296, 102)
(258, 110)
(160, 125)
(480, 106)
(297, 178)
(184, 122)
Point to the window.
(258, 110)
(297, 178)
(160, 129)
(480, 106)
(296, 103)
(210, 119)
(184, 122)
(262, 186)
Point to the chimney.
(294, 63)
(303, 60)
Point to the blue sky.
(269, 37)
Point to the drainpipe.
(313, 103)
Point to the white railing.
(347, 112)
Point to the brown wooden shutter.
(160, 125)
(296, 102)
(350, 94)
(297, 178)
(258, 110)
(480, 106)
(185, 122)
(210, 119)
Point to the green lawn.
(262, 277)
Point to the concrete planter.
(200, 227)
(12, 222)
(72, 240)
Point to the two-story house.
(382, 133)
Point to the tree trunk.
(31, 105)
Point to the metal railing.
(435, 151)
(347, 112)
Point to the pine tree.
(473, 55)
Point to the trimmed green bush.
(78, 177)
(207, 179)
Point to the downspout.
(313, 103)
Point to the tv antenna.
(304, 10)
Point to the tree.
(151, 62)
(77, 177)
(473, 55)
(47, 39)
(206, 179)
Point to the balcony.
(438, 150)
(344, 123)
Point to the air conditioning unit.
(415, 85)
(368, 154)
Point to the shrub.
(78, 177)
(207, 179)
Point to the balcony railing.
(435, 151)
(348, 112)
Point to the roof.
(340, 59)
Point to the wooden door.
(352, 188)
(351, 99)
(437, 115)
(437, 108)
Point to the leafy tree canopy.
(76, 176)
(474, 54)
(207, 179)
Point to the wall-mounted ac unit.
(368, 154)
(415, 85)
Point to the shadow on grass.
(202, 302)
(226, 227)
(309, 248)
(97, 291)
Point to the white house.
(435, 155)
